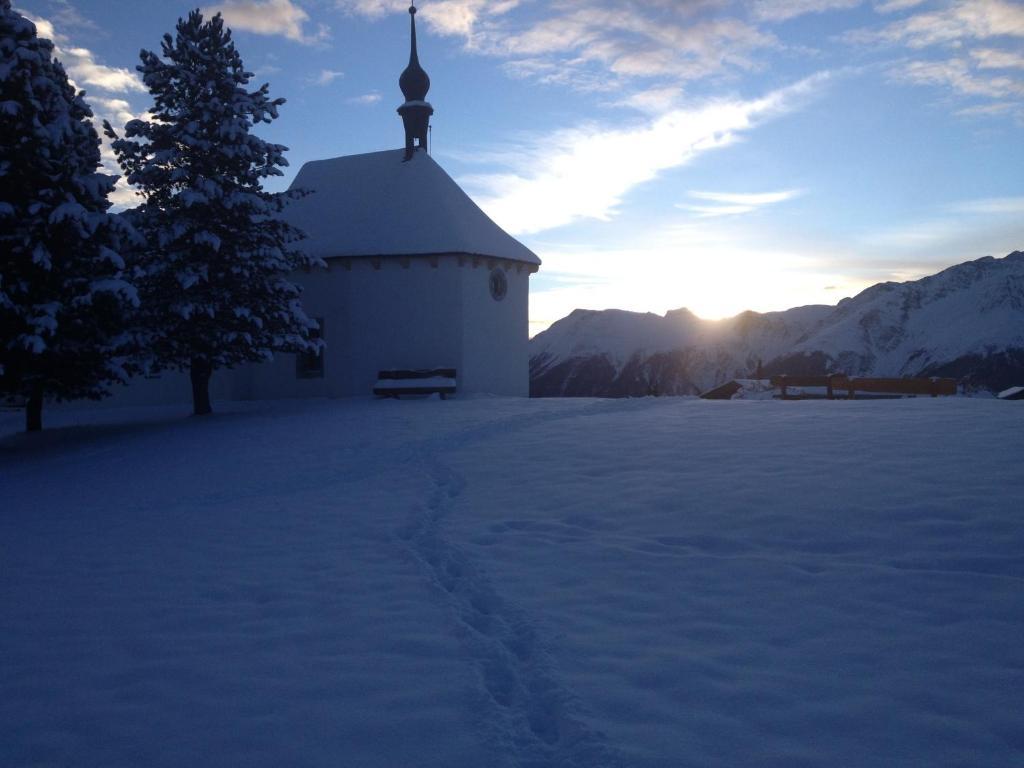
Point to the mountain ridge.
(965, 321)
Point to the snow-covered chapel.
(418, 276)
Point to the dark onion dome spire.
(416, 111)
(414, 82)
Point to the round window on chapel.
(498, 283)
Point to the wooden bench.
(932, 387)
(420, 382)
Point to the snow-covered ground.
(490, 582)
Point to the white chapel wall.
(495, 332)
(378, 314)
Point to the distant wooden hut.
(723, 391)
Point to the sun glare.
(713, 283)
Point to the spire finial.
(413, 57)
(414, 83)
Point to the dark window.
(310, 365)
(498, 284)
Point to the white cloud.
(653, 100)
(747, 198)
(594, 45)
(373, 9)
(68, 17)
(270, 17)
(365, 99)
(894, 6)
(957, 74)
(709, 211)
(43, 27)
(117, 111)
(82, 67)
(123, 196)
(732, 203)
(447, 17)
(781, 10)
(991, 206)
(585, 173)
(958, 25)
(327, 76)
(988, 110)
(960, 21)
(87, 71)
(995, 58)
(623, 41)
(455, 17)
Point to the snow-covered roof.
(377, 205)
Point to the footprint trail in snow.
(530, 716)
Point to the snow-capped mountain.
(966, 322)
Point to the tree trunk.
(200, 371)
(34, 410)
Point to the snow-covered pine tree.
(63, 297)
(214, 288)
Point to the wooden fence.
(840, 382)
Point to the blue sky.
(654, 153)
